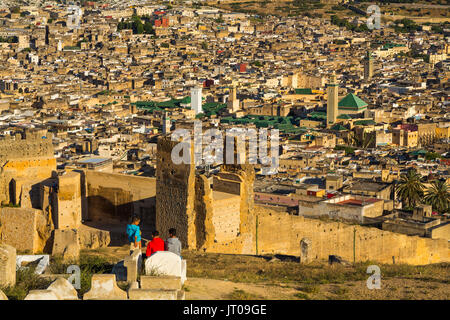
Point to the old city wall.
(175, 195)
(281, 233)
(189, 203)
(23, 161)
(115, 197)
(204, 227)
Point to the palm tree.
(438, 195)
(361, 141)
(410, 188)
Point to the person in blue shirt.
(134, 233)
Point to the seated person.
(134, 233)
(157, 244)
(172, 243)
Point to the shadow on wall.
(104, 214)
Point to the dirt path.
(391, 289)
(210, 289)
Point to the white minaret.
(59, 45)
(196, 100)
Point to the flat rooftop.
(357, 202)
(367, 186)
(93, 160)
(218, 195)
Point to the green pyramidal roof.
(352, 102)
(338, 127)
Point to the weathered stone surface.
(40, 261)
(161, 282)
(305, 250)
(175, 182)
(41, 295)
(66, 244)
(25, 229)
(68, 210)
(337, 238)
(7, 265)
(166, 263)
(3, 296)
(91, 238)
(63, 289)
(131, 266)
(104, 287)
(152, 294)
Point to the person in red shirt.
(157, 244)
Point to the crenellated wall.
(281, 233)
(24, 160)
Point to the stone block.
(25, 229)
(3, 296)
(131, 266)
(39, 261)
(104, 287)
(92, 238)
(63, 289)
(7, 265)
(305, 250)
(68, 213)
(166, 263)
(66, 244)
(41, 295)
(161, 282)
(152, 294)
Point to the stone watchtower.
(175, 193)
(368, 66)
(217, 216)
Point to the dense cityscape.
(92, 93)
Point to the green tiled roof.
(364, 122)
(303, 91)
(338, 127)
(344, 116)
(351, 101)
